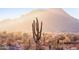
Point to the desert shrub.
(24, 41)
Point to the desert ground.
(48, 41)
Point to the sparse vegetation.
(53, 41)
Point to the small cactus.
(50, 46)
(57, 45)
(29, 45)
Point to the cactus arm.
(33, 30)
(40, 31)
(37, 29)
(37, 25)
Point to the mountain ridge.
(54, 20)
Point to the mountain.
(54, 20)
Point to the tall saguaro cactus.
(37, 30)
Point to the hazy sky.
(73, 12)
(13, 13)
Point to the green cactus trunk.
(37, 33)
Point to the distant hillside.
(54, 20)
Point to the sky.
(10, 13)
(73, 12)
(6, 13)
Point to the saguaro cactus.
(37, 33)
